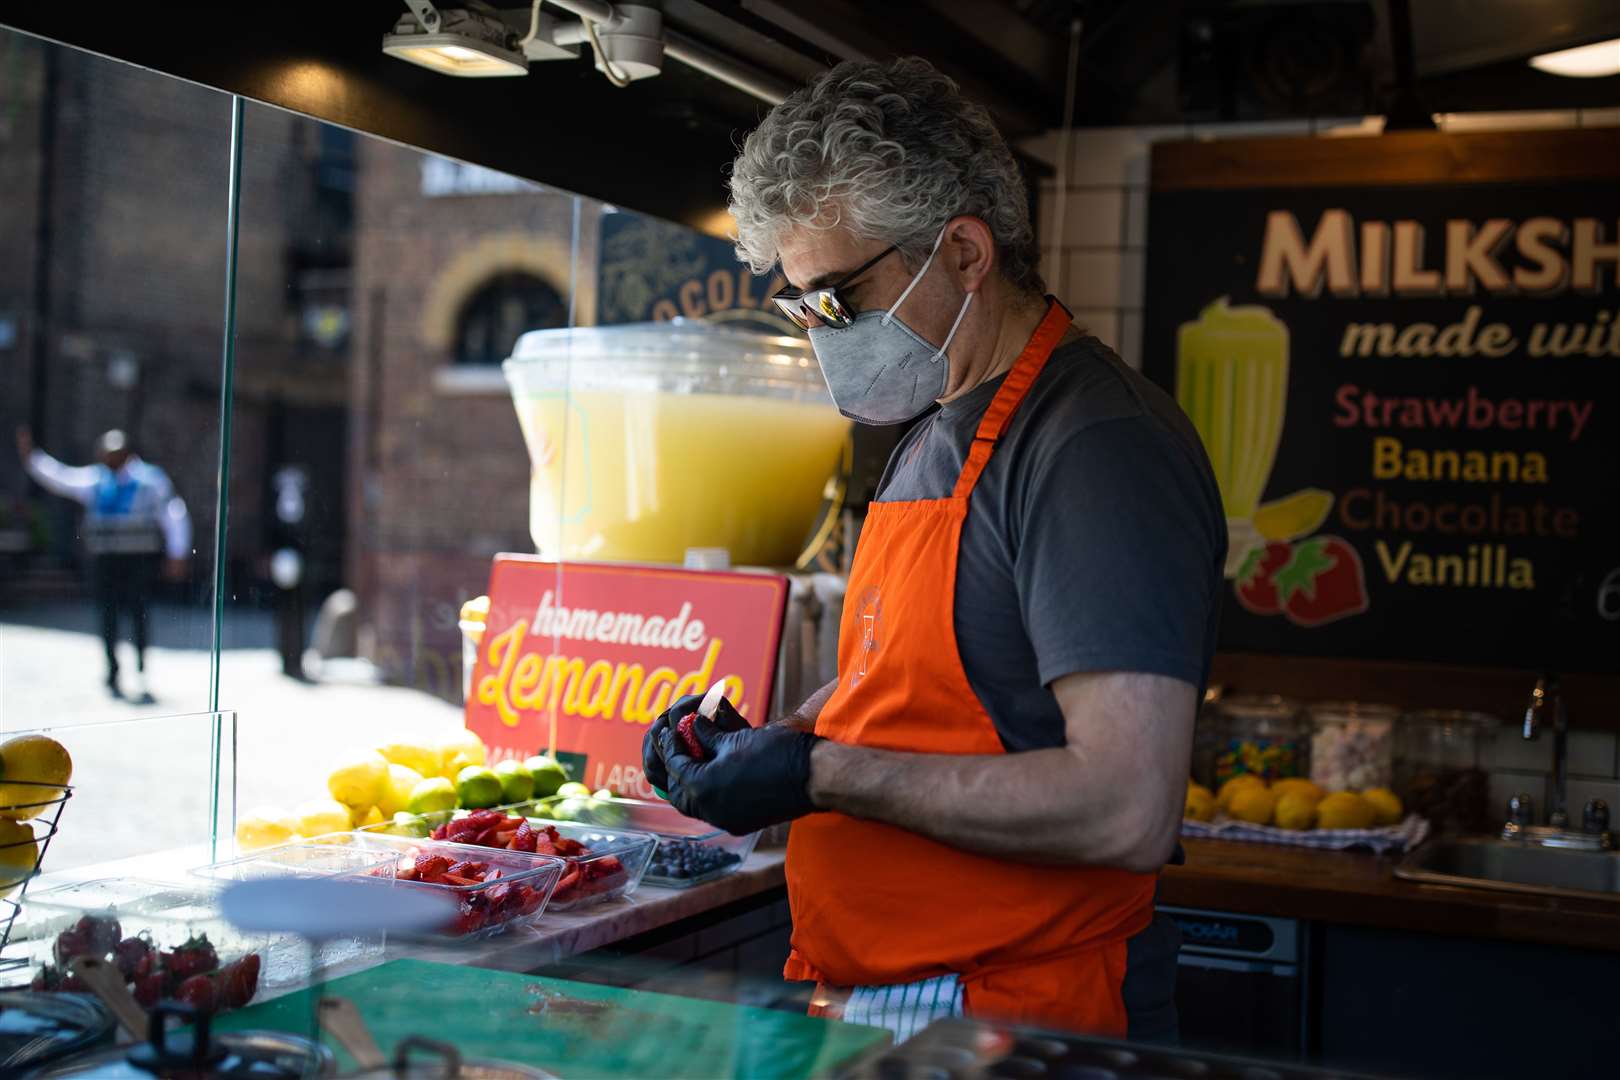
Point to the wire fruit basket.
(47, 812)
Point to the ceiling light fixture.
(458, 41)
(628, 40)
(1592, 61)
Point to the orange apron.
(874, 904)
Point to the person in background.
(134, 522)
(983, 800)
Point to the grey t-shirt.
(1094, 540)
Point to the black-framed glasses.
(822, 306)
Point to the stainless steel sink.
(1490, 863)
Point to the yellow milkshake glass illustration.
(1232, 380)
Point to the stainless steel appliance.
(1242, 983)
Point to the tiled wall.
(1519, 766)
(1097, 266)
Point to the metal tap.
(1547, 702)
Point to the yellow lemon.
(1223, 798)
(1297, 785)
(420, 756)
(265, 826)
(1296, 810)
(19, 851)
(1200, 803)
(1295, 515)
(358, 780)
(459, 749)
(321, 816)
(40, 760)
(397, 788)
(1344, 810)
(1387, 809)
(1253, 803)
(370, 816)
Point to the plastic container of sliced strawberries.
(602, 863)
(496, 888)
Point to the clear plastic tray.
(516, 898)
(690, 851)
(336, 855)
(596, 880)
(154, 919)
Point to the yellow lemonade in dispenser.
(650, 439)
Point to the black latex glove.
(752, 778)
(652, 762)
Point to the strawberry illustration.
(1256, 582)
(1323, 581)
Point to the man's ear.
(973, 251)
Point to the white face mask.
(880, 370)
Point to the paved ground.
(142, 771)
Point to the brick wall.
(439, 473)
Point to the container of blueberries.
(689, 852)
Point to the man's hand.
(749, 779)
(25, 442)
(174, 569)
(652, 762)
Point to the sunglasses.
(822, 306)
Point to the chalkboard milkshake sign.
(1409, 390)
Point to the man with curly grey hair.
(983, 799)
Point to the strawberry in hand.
(1322, 582)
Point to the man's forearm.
(1036, 806)
(804, 717)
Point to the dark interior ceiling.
(662, 144)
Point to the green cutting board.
(574, 1029)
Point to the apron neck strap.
(1025, 370)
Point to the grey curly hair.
(889, 150)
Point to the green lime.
(573, 789)
(517, 782)
(406, 824)
(549, 774)
(431, 796)
(477, 786)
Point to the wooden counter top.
(1361, 889)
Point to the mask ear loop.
(888, 316)
(959, 316)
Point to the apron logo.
(869, 620)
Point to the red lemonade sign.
(579, 659)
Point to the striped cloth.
(905, 1008)
(1408, 834)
